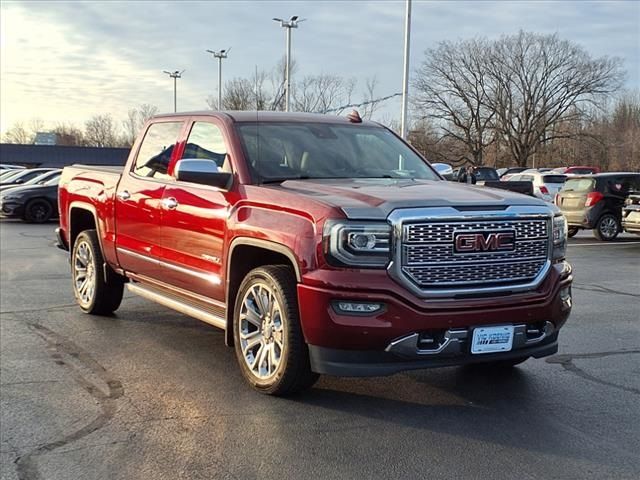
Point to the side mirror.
(444, 169)
(203, 172)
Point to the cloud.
(65, 61)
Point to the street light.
(175, 75)
(220, 55)
(288, 24)
(405, 77)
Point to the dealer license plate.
(492, 339)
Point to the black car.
(596, 201)
(32, 203)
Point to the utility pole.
(220, 55)
(292, 23)
(175, 75)
(405, 77)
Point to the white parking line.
(602, 244)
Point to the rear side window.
(156, 149)
(207, 142)
(554, 178)
(579, 185)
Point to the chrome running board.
(177, 305)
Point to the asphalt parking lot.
(151, 394)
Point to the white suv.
(545, 185)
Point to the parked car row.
(30, 194)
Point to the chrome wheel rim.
(608, 227)
(84, 273)
(261, 331)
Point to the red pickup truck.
(320, 244)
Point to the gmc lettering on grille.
(484, 242)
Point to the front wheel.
(38, 211)
(94, 293)
(607, 227)
(269, 344)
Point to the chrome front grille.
(426, 260)
(442, 232)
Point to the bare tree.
(452, 86)
(18, 134)
(321, 93)
(136, 118)
(70, 135)
(539, 80)
(100, 131)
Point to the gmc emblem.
(484, 242)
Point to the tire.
(94, 295)
(607, 228)
(38, 211)
(269, 345)
(573, 231)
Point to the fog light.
(357, 308)
(565, 296)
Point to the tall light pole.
(405, 76)
(175, 75)
(288, 24)
(220, 55)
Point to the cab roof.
(271, 116)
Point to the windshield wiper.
(280, 180)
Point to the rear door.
(194, 219)
(138, 198)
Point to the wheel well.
(79, 221)
(245, 258)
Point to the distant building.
(58, 156)
(45, 138)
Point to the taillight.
(593, 198)
(544, 190)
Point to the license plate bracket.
(492, 339)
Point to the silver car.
(545, 185)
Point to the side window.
(207, 142)
(155, 152)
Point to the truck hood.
(375, 199)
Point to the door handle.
(124, 195)
(169, 203)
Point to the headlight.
(362, 244)
(559, 237)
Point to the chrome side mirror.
(203, 172)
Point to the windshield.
(290, 150)
(578, 185)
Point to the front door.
(194, 220)
(138, 210)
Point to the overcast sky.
(66, 61)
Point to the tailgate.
(571, 201)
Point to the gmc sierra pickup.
(320, 245)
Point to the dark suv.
(596, 201)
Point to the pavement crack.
(601, 289)
(69, 355)
(45, 309)
(566, 360)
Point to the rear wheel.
(38, 211)
(573, 231)
(607, 227)
(269, 344)
(94, 293)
